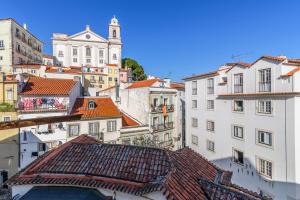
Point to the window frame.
(207, 126)
(238, 83)
(69, 128)
(213, 104)
(92, 124)
(194, 87)
(233, 126)
(266, 75)
(194, 106)
(258, 167)
(264, 144)
(236, 160)
(195, 140)
(195, 119)
(111, 128)
(210, 86)
(208, 142)
(271, 113)
(233, 106)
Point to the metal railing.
(159, 108)
(265, 86)
(161, 127)
(42, 108)
(238, 88)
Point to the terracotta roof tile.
(84, 161)
(48, 56)
(47, 86)
(292, 72)
(104, 108)
(177, 85)
(145, 83)
(128, 121)
(33, 66)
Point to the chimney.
(117, 90)
(168, 82)
(25, 26)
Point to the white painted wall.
(282, 123)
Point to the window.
(167, 137)
(116, 71)
(238, 83)
(194, 103)
(210, 145)
(1, 44)
(238, 132)
(194, 139)
(91, 105)
(18, 47)
(265, 167)
(110, 71)
(210, 86)
(114, 33)
(88, 51)
(33, 71)
(194, 88)
(9, 94)
(110, 78)
(60, 54)
(41, 146)
(24, 136)
(17, 33)
(1, 57)
(194, 122)
(101, 54)
(6, 119)
(75, 52)
(210, 126)
(238, 157)
(74, 130)
(155, 102)
(114, 56)
(94, 128)
(210, 104)
(238, 106)
(111, 126)
(88, 60)
(265, 107)
(264, 138)
(75, 60)
(264, 80)
(101, 61)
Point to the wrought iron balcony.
(162, 127)
(156, 109)
(265, 86)
(238, 88)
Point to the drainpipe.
(286, 164)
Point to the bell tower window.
(114, 33)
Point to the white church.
(88, 48)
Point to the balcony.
(158, 109)
(42, 108)
(238, 88)
(162, 127)
(166, 144)
(264, 86)
(101, 82)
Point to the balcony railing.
(161, 127)
(170, 108)
(238, 88)
(265, 86)
(166, 144)
(42, 108)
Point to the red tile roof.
(104, 108)
(292, 72)
(177, 85)
(112, 65)
(85, 162)
(233, 65)
(145, 83)
(128, 121)
(48, 56)
(48, 86)
(205, 75)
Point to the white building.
(44, 97)
(151, 102)
(17, 45)
(88, 48)
(244, 117)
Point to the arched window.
(114, 33)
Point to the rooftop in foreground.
(86, 162)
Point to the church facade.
(87, 48)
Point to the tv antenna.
(238, 57)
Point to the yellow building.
(113, 75)
(9, 139)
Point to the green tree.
(138, 72)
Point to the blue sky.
(171, 37)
